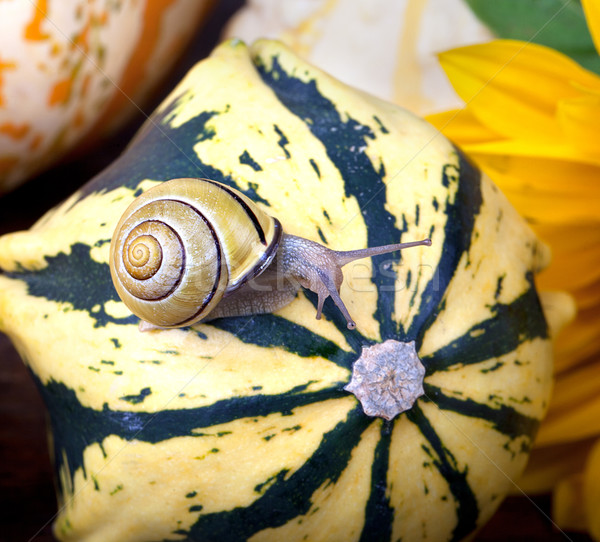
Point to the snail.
(189, 249)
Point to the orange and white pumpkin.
(73, 70)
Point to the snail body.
(188, 250)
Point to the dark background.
(27, 499)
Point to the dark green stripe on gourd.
(379, 515)
(269, 330)
(246, 159)
(136, 398)
(511, 324)
(165, 152)
(467, 510)
(75, 426)
(341, 140)
(287, 498)
(458, 232)
(504, 419)
(365, 183)
(283, 141)
(76, 279)
(159, 152)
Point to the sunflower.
(532, 123)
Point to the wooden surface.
(27, 499)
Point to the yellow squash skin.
(239, 428)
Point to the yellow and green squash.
(240, 428)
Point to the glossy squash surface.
(240, 429)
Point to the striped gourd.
(240, 428)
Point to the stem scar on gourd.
(387, 378)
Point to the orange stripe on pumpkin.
(81, 41)
(14, 131)
(36, 142)
(78, 118)
(137, 66)
(138, 62)
(61, 92)
(4, 66)
(85, 85)
(33, 31)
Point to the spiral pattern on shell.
(142, 254)
(182, 244)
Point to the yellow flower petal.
(547, 466)
(547, 191)
(579, 341)
(575, 264)
(580, 121)
(591, 491)
(553, 150)
(532, 123)
(591, 8)
(567, 504)
(574, 407)
(559, 309)
(574, 388)
(461, 125)
(582, 422)
(513, 87)
(580, 282)
(588, 295)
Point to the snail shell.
(184, 244)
